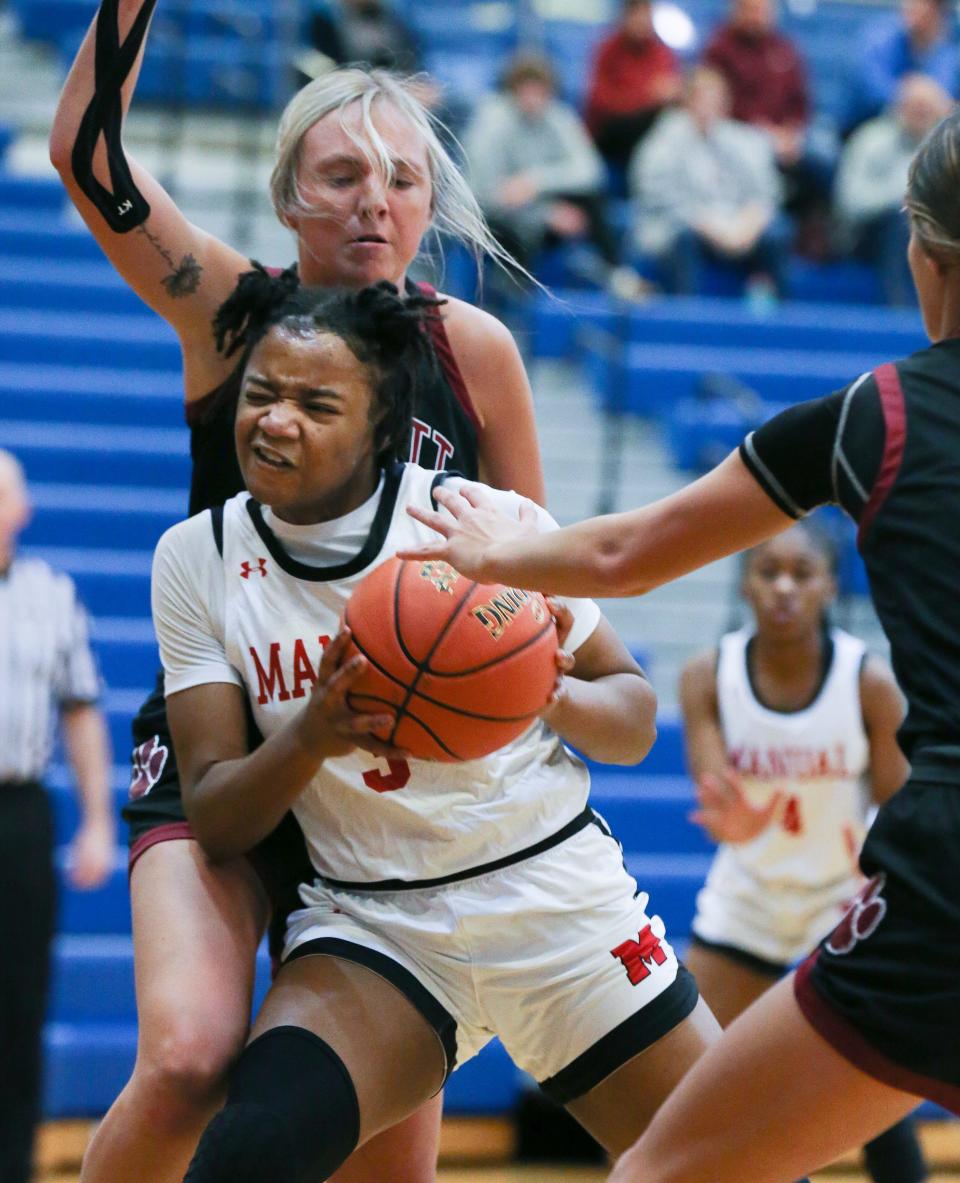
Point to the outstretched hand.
(726, 813)
(471, 526)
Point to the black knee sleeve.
(291, 1115)
(895, 1156)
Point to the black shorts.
(154, 813)
(884, 988)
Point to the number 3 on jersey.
(388, 782)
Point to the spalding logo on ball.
(464, 667)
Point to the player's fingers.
(703, 819)
(476, 495)
(565, 661)
(562, 617)
(366, 726)
(429, 550)
(708, 790)
(378, 747)
(339, 683)
(734, 783)
(431, 518)
(456, 501)
(528, 512)
(333, 654)
(767, 811)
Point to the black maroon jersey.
(444, 426)
(888, 450)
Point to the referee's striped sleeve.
(80, 681)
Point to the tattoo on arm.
(184, 278)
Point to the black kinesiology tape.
(124, 207)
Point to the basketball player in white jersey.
(452, 902)
(791, 740)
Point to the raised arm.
(180, 271)
(883, 709)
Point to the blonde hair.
(456, 211)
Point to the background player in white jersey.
(791, 738)
(474, 899)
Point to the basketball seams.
(419, 667)
(412, 673)
(496, 660)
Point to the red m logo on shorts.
(861, 921)
(638, 955)
(247, 569)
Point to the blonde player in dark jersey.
(790, 730)
(361, 177)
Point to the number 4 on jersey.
(792, 820)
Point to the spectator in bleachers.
(768, 89)
(872, 179)
(48, 672)
(364, 31)
(920, 40)
(706, 188)
(536, 172)
(634, 76)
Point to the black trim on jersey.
(441, 479)
(827, 652)
(216, 521)
(415, 992)
(760, 965)
(824, 451)
(371, 548)
(626, 1040)
(574, 826)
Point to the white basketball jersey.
(364, 820)
(815, 757)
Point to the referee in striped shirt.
(46, 669)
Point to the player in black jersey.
(869, 1023)
(361, 177)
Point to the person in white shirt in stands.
(872, 177)
(537, 174)
(46, 671)
(706, 188)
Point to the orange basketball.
(463, 667)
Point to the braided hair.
(384, 330)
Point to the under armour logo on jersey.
(862, 919)
(259, 567)
(638, 956)
(149, 761)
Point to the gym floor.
(61, 1146)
